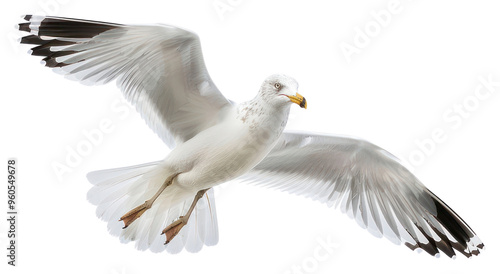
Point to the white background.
(394, 92)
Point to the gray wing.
(159, 68)
(371, 186)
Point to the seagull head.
(281, 90)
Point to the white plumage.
(115, 191)
(160, 69)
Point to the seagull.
(169, 205)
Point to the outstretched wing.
(371, 186)
(159, 68)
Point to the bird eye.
(277, 86)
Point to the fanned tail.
(116, 191)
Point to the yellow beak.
(298, 99)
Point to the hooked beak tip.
(298, 99)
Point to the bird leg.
(135, 213)
(173, 229)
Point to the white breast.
(225, 151)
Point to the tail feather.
(116, 191)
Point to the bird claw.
(173, 229)
(134, 214)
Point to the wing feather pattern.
(159, 68)
(371, 186)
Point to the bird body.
(230, 148)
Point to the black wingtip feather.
(52, 63)
(24, 27)
(457, 228)
(59, 31)
(72, 28)
(431, 246)
(452, 222)
(32, 39)
(60, 27)
(463, 236)
(444, 245)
